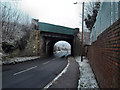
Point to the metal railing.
(109, 13)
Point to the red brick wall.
(104, 57)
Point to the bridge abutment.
(42, 46)
(47, 46)
(48, 40)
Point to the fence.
(109, 13)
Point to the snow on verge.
(19, 59)
(87, 77)
(58, 76)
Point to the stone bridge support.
(42, 46)
(76, 43)
(47, 42)
(47, 46)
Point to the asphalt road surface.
(33, 74)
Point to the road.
(33, 74)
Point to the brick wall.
(104, 57)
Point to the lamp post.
(82, 32)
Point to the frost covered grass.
(87, 77)
(19, 59)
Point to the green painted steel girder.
(55, 28)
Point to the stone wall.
(76, 46)
(31, 48)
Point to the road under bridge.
(50, 34)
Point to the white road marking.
(25, 70)
(46, 62)
(58, 76)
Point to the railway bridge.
(50, 34)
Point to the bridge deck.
(55, 28)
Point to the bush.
(7, 47)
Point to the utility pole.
(82, 32)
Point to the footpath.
(70, 78)
(76, 75)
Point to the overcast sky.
(58, 12)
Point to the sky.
(58, 12)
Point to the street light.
(82, 30)
(75, 3)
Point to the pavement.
(87, 77)
(70, 78)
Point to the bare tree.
(15, 23)
(91, 10)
